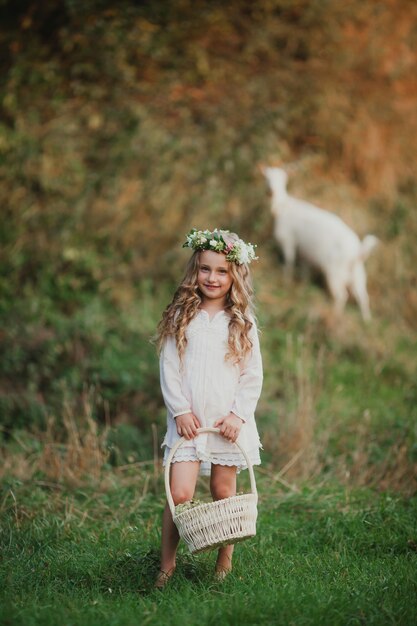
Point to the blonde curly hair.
(186, 303)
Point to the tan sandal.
(221, 572)
(163, 578)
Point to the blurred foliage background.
(124, 124)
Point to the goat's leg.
(359, 290)
(338, 290)
(305, 271)
(289, 252)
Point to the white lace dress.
(211, 387)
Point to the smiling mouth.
(211, 286)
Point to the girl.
(211, 376)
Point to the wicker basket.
(213, 524)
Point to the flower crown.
(235, 249)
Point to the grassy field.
(122, 125)
(89, 556)
(337, 532)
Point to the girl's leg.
(223, 485)
(183, 480)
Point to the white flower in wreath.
(243, 252)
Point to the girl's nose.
(212, 277)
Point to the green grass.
(321, 556)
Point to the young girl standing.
(211, 376)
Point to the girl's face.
(214, 278)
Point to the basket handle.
(179, 444)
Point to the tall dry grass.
(294, 441)
(71, 452)
(310, 441)
(299, 438)
(73, 457)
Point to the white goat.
(323, 240)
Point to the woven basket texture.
(213, 524)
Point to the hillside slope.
(122, 126)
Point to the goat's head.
(277, 179)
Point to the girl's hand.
(187, 425)
(229, 426)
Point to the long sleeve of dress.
(250, 382)
(169, 365)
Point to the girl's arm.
(229, 426)
(175, 401)
(169, 368)
(250, 381)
